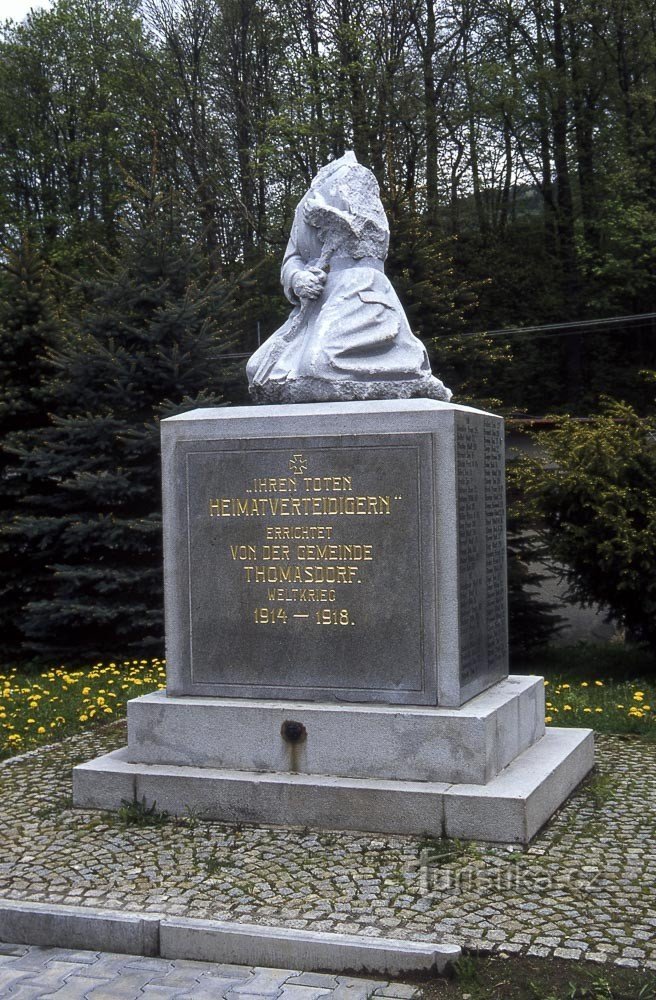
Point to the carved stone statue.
(348, 337)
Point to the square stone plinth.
(471, 744)
(336, 552)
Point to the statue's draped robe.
(356, 332)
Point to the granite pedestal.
(337, 656)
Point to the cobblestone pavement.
(586, 887)
(30, 973)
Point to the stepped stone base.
(469, 744)
(487, 771)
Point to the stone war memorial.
(335, 582)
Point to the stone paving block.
(264, 981)
(53, 976)
(539, 951)
(124, 987)
(396, 996)
(573, 953)
(225, 969)
(220, 984)
(76, 957)
(160, 992)
(76, 988)
(231, 995)
(110, 965)
(13, 950)
(203, 993)
(396, 990)
(156, 965)
(313, 979)
(302, 992)
(355, 990)
(184, 979)
(26, 992)
(34, 960)
(10, 977)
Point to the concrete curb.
(310, 951)
(53, 926)
(50, 925)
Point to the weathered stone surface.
(348, 337)
(520, 800)
(339, 552)
(510, 808)
(317, 801)
(470, 744)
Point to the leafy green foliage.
(593, 497)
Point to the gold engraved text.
(321, 506)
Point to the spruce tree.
(147, 347)
(29, 327)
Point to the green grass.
(602, 686)
(41, 709)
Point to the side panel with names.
(482, 607)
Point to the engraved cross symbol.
(298, 464)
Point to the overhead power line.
(567, 328)
(545, 329)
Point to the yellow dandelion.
(584, 684)
(598, 709)
(587, 709)
(639, 696)
(567, 708)
(548, 719)
(599, 684)
(41, 729)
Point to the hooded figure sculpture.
(348, 337)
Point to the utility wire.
(545, 329)
(567, 328)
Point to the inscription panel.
(482, 588)
(305, 567)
